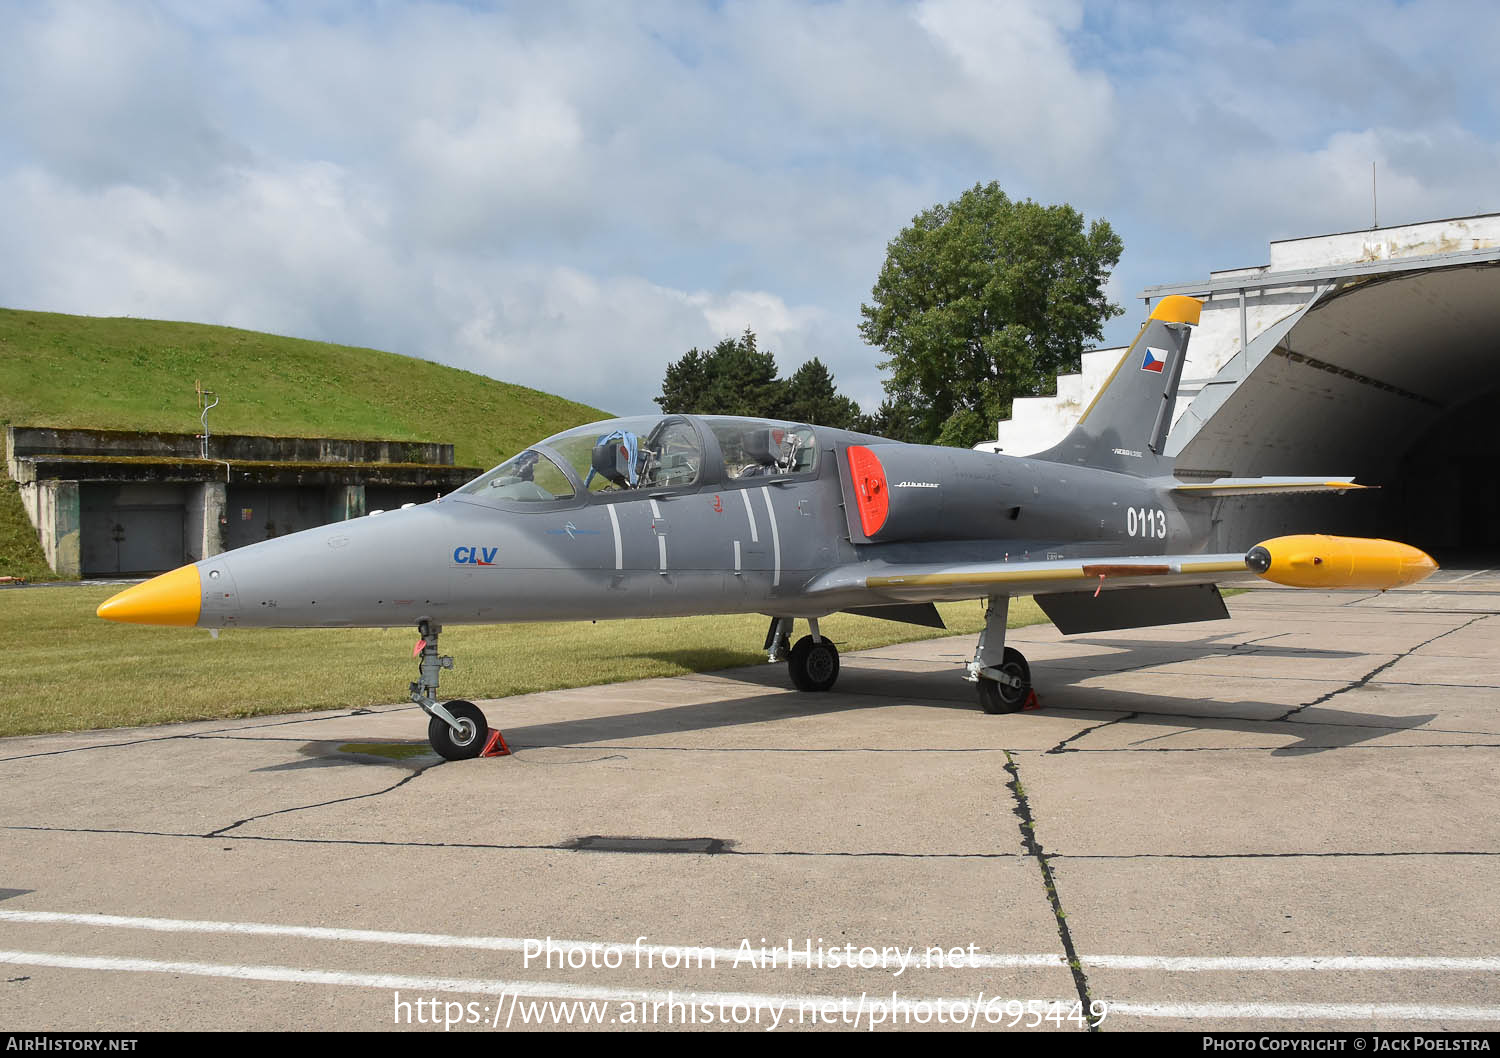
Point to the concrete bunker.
(115, 503)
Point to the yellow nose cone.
(170, 599)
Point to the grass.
(129, 374)
(20, 550)
(138, 375)
(82, 673)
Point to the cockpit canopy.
(620, 457)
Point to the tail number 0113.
(1142, 521)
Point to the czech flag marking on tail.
(1155, 360)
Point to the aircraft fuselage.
(719, 544)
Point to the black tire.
(454, 745)
(997, 699)
(814, 666)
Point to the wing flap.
(1079, 611)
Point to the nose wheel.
(464, 741)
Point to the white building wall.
(1380, 244)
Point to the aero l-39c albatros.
(677, 515)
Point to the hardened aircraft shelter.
(1370, 353)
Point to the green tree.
(687, 383)
(736, 378)
(983, 300)
(733, 378)
(889, 420)
(811, 397)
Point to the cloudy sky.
(570, 195)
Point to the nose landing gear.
(457, 729)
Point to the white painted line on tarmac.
(890, 956)
(1290, 963)
(526, 989)
(1302, 1011)
(751, 1000)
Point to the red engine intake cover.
(870, 488)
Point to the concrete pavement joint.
(773, 749)
(1283, 749)
(566, 847)
(1238, 718)
(83, 749)
(1392, 854)
(1367, 677)
(1034, 849)
(516, 756)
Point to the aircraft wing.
(932, 582)
(1100, 594)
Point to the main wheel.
(996, 698)
(814, 665)
(465, 743)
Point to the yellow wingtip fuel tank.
(1315, 561)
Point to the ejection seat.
(760, 450)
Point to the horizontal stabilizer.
(1265, 486)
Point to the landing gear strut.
(813, 663)
(1000, 673)
(457, 730)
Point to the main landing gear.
(1000, 673)
(457, 729)
(813, 663)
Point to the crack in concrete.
(1367, 677)
(1033, 847)
(1062, 747)
(212, 732)
(337, 800)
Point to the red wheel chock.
(1031, 701)
(494, 745)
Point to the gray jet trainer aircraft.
(676, 515)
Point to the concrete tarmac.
(1282, 821)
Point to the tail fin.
(1125, 428)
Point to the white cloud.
(571, 195)
(604, 342)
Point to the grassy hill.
(129, 374)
